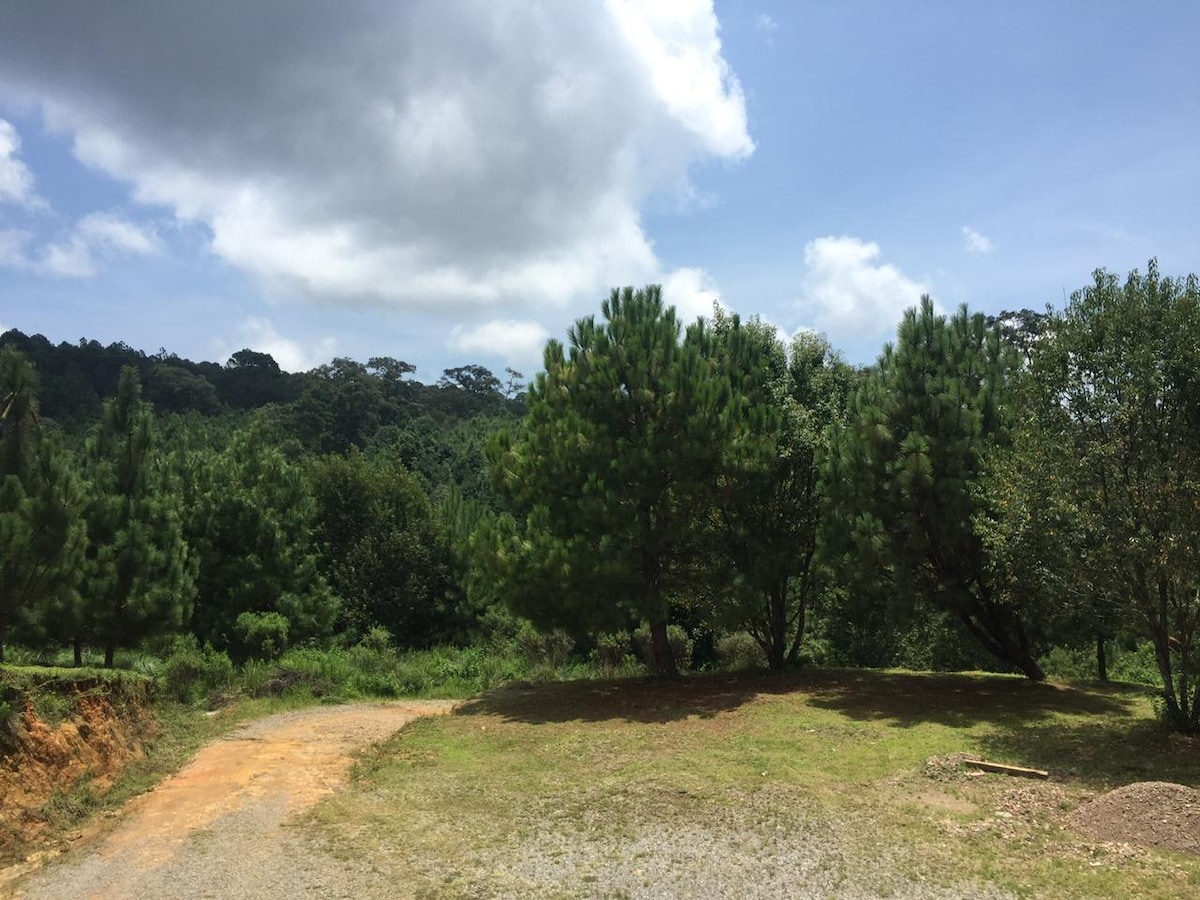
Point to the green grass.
(585, 773)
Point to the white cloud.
(766, 26)
(849, 295)
(692, 292)
(16, 181)
(258, 333)
(515, 341)
(976, 242)
(12, 248)
(442, 156)
(96, 236)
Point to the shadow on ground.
(644, 700)
(900, 699)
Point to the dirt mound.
(1150, 813)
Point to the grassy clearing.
(809, 785)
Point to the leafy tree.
(41, 531)
(383, 549)
(769, 505)
(138, 577)
(1118, 407)
(342, 407)
(250, 519)
(173, 388)
(620, 448)
(904, 475)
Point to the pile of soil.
(1149, 813)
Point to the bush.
(192, 672)
(1071, 663)
(681, 645)
(544, 648)
(1137, 664)
(258, 677)
(261, 635)
(739, 651)
(613, 653)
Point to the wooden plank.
(1006, 769)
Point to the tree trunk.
(109, 652)
(1101, 657)
(776, 603)
(3, 637)
(78, 646)
(660, 647)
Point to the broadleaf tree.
(1118, 385)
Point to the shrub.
(192, 672)
(257, 677)
(545, 648)
(262, 635)
(613, 652)
(739, 651)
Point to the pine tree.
(250, 518)
(139, 579)
(41, 531)
(905, 474)
(610, 477)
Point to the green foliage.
(193, 672)
(681, 644)
(619, 448)
(739, 652)
(41, 527)
(138, 577)
(383, 550)
(904, 472)
(613, 653)
(261, 635)
(250, 518)
(1115, 401)
(767, 518)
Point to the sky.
(453, 182)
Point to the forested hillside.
(1008, 493)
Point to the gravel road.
(220, 827)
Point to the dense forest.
(989, 493)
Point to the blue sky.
(453, 182)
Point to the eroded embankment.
(63, 731)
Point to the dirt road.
(219, 828)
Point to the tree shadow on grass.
(907, 699)
(643, 700)
(1102, 755)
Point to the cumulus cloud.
(976, 242)
(259, 333)
(96, 236)
(692, 292)
(515, 341)
(16, 181)
(438, 155)
(849, 294)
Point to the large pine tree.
(610, 477)
(139, 579)
(905, 474)
(41, 529)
